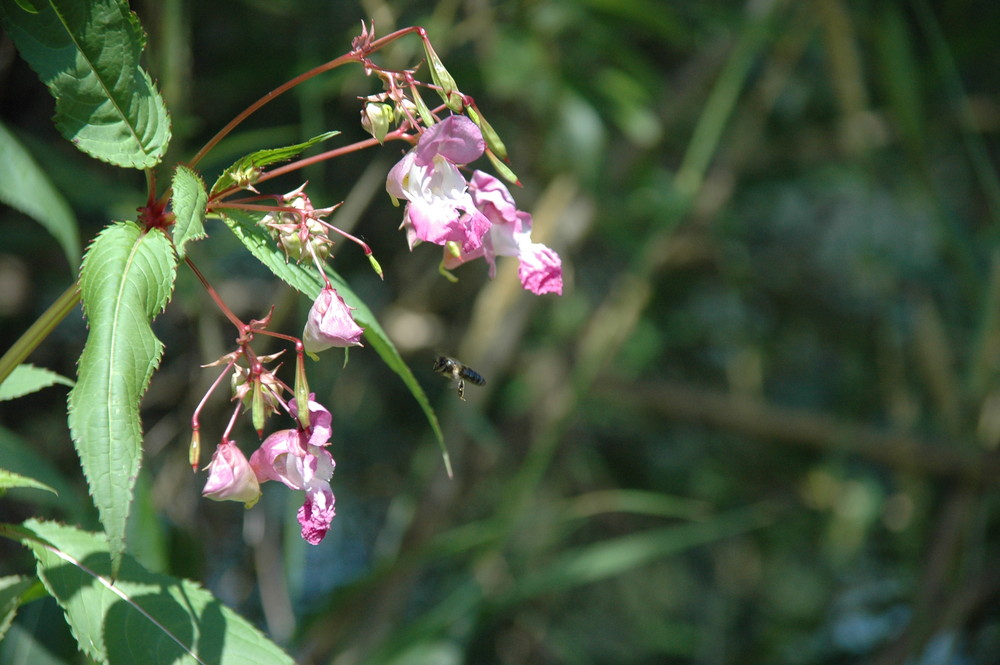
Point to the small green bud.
(375, 266)
(257, 408)
(505, 171)
(376, 118)
(490, 135)
(422, 110)
(301, 390)
(194, 451)
(449, 89)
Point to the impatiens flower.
(330, 323)
(230, 476)
(296, 458)
(539, 268)
(439, 208)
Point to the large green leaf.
(87, 53)
(188, 202)
(305, 280)
(126, 280)
(24, 186)
(143, 617)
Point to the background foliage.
(760, 425)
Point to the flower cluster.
(296, 457)
(469, 218)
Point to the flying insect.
(453, 369)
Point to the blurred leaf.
(12, 588)
(598, 561)
(305, 280)
(245, 170)
(188, 202)
(126, 280)
(25, 460)
(143, 617)
(8, 479)
(27, 379)
(901, 76)
(87, 53)
(25, 187)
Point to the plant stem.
(39, 330)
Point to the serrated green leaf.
(27, 379)
(24, 186)
(144, 617)
(12, 589)
(87, 53)
(245, 170)
(9, 479)
(189, 202)
(126, 280)
(305, 280)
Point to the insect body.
(455, 370)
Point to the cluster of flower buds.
(298, 228)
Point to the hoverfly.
(451, 368)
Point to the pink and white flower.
(439, 209)
(230, 476)
(299, 459)
(539, 267)
(330, 323)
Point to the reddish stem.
(215, 296)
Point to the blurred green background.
(760, 425)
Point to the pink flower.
(296, 458)
(330, 323)
(539, 268)
(230, 476)
(439, 208)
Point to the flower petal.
(317, 513)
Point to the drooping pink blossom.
(539, 267)
(230, 476)
(298, 459)
(439, 209)
(330, 323)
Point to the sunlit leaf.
(126, 280)
(189, 202)
(245, 170)
(87, 53)
(143, 617)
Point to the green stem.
(39, 330)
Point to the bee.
(451, 368)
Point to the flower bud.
(194, 451)
(375, 266)
(230, 477)
(330, 323)
(443, 79)
(376, 118)
(301, 387)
